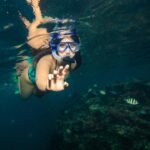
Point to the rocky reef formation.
(111, 118)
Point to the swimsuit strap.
(31, 74)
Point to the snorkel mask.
(57, 46)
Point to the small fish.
(102, 92)
(131, 101)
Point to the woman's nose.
(67, 50)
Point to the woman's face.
(63, 49)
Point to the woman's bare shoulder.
(47, 59)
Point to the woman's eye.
(72, 45)
(62, 45)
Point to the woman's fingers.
(28, 1)
(55, 73)
(50, 78)
(66, 84)
(56, 80)
(66, 69)
(57, 85)
(60, 69)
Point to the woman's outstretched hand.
(56, 80)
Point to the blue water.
(115, 38)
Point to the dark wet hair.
(75, 38)
(72, 32)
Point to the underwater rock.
(107, 122)
(94, 107)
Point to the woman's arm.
(43, 67)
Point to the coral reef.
(102, 120)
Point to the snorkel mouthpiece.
(68, 59)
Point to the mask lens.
(61, 47)
(72, 46)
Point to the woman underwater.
(54, 55)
